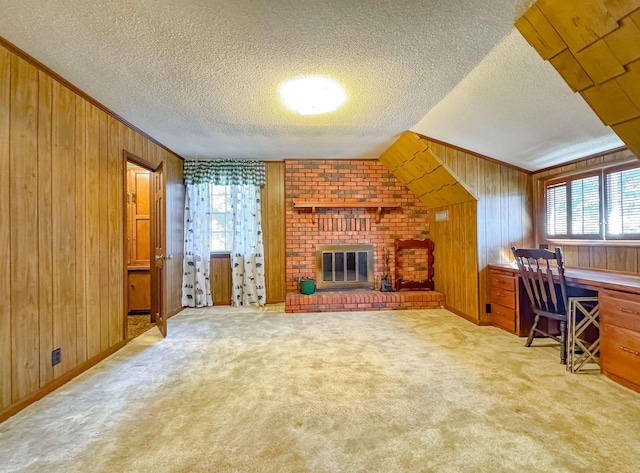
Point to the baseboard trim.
(56, 383)
(466, 317)
(177, 311)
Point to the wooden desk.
(619, 299)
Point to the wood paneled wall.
(273, 231)
(62, 230)
(614, 257)
(479, 233)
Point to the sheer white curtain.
(196, 291)
(247, 256)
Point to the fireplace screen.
(344, 266)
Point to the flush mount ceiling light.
(312, 95)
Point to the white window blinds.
(623, 203)
(585, 206)
(557, 209)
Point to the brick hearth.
(362, 299)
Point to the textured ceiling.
(201, 76)
(516, 108)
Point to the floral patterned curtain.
(196, 291)
(247, 257)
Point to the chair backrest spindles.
(538, 278)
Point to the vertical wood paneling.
(220, 270)
(273, 228)
(103, 208)
(115, 171)
(23, 173)
(63, 199)
(622, 259)
(80, 227)
(61, 229)
(479, 233)
(456, 247)
(45, 228)
(5, 231)
(92, 231)
(598, 257)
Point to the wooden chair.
(536, 273)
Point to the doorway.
(144, 244)
(138, 199)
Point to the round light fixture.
(312, 95)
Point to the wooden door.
(138, 233)
(158, 239)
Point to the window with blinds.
(623, 203)
(575, 206)
(585, 206)
(557, 209)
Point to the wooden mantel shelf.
(379, 206)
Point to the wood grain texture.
(273, 228)
(23, 171)
(5, 230)
(479, 233)
(174, 181)
(64, 263)
(80, 228)
(115, 221)
(45, 227)
(456, 258)
(92, 235)
(432, 178)
(61, 231)
(220, 276)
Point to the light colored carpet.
(245, 390)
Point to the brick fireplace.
(339, 181)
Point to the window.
(623, 203)
(583, 207)
(221, 218)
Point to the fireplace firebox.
(344, 266)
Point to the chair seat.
(551, 315)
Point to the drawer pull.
(629, 311)
(633, 352)
(499, 294)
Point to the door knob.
(169, 257)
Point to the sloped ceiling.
(201, 76)
(516, 108)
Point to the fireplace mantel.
(379, 206)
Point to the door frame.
(143, 163)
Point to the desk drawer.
(503, 297)
(620, 350)
(620, 309)
(502, 281)
(503, 317)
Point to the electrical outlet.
(55, 357)
(487, 308)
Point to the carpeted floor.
(239, 390)
(138, 324)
